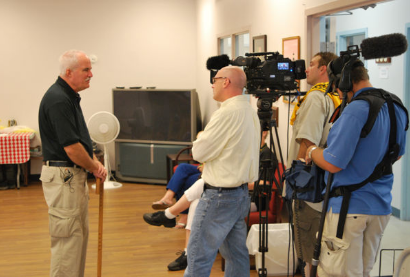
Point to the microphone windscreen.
(217, 62)
(384, 46)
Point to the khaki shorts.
(355, 254)
(306, 221)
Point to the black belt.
(60, 164)
(208, 186)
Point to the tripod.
(268, 164)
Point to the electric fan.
(104, 128)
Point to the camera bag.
(305, 182)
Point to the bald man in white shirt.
(229, 146)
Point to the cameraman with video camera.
(349, 247)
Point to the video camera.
(273, 77)
(275, 73)
(267, 80)
(270, 79)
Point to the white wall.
(137, 42)
(276, 19)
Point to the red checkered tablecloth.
(14, 148)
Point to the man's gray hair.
(69, 60)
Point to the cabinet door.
(142, 160)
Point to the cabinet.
(154, 123)
(143, 162)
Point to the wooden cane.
(100, 190)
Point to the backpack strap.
(376, 99)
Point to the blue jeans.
(219, 223)
(184, 177)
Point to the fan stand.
(108, 184)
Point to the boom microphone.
(383, 46)
(217, 62)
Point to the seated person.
(185, 175)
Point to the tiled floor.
(396, 236)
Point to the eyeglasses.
(215, 78)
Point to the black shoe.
(158, 219)
(179, 264)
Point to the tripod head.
(268, 163)
(265, 112)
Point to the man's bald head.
(236, 76)
(228, 82)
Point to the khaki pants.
(68, 219)
(355, 254)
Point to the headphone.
(334, 69)
(339, 71)
(345, 83)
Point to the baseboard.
(395, 212)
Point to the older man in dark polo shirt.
(67, 151)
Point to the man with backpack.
(361, 147)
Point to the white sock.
(254, 208)
(168, 214)
(186, 251)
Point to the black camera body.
(275, 73)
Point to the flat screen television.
(157, 115)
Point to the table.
(15, 149)
(277, 257)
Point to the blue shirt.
(359, 156)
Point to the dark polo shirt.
(61, 122)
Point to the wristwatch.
(310, 152)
